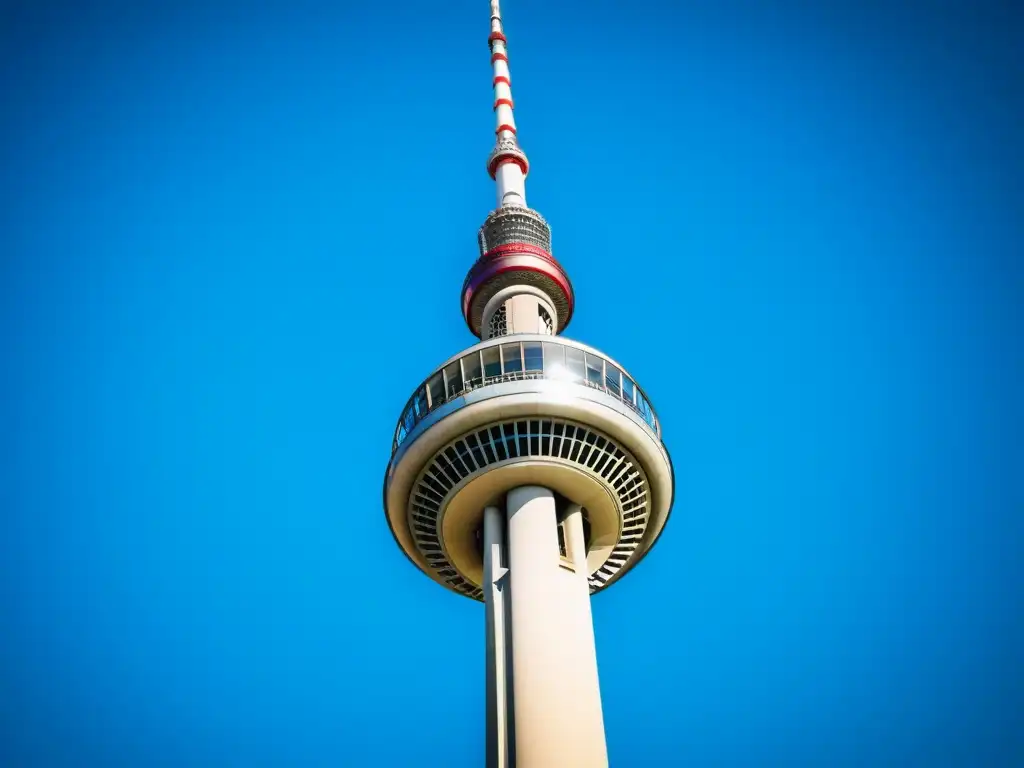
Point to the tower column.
(588, 694)
(554, 668)
(495, 613)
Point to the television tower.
(528, 472)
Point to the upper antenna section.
(507, 163)
(516, 276)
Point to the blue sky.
(233, 240)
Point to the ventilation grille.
(509, 441)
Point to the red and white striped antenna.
(507, 163)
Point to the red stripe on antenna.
(500, 161)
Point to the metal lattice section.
(528, 439)
(546, 326)
(498, 325)
(514, 224)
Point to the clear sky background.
(233, 237)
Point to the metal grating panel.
(514, 224)
(522, 439)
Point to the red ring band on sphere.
(500, 264)
(468, 295)
(509, 248)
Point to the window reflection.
(420, 403)
(554, 355)
(533, 356)
(453, 375)
(627, 389)
(574, 363)
(511, 358)
(435, 387)
(612, 376)
(595, 370)
(645, 409)
(492, 362)
(471, 366)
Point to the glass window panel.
(400, 434)
(471, 367)
(645, 409)
(454, 375)
(420, 403)
(554, 359)
(511, 357)
(492, 363)
(595, 370)
(627, 388)
(612, 377)
(574, 364)
(436, 389)
(533, 356)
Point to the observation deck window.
(420, 405)
(595, 370)
(645, 408)
(511, 357)
(435, 388)
(628, 390)
(453, 378)
(613, 379)
(472, 370)
(574, 364)
(554, 359)
(533, 356)
(492, 362)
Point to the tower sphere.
(515, 250)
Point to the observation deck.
(526, 410)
